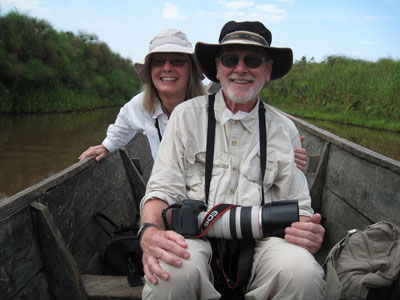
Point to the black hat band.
(245, 36)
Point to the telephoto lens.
(256, 222)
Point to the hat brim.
(165, 48)
(206, 54)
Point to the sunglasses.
(175, 61)
(251, 61)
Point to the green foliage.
(42, 70)
(341, 87)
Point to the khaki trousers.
(280, 271)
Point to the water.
(383, 142)
(34, 147)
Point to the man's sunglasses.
(251, 61)
(175, 61)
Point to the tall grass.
(341, 89)
(59, 99)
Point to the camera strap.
(236, 267)
(211, 142)
(157, 125)
(212, 215)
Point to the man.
(179, 268)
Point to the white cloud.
(271, 9)
(236, 4)
(259, 13)
(171, 11)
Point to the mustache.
(246, 77)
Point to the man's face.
(241, 83)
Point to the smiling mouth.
(168, 79)
(241, 80)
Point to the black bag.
(231, 264)
(122, 254)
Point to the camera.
(228, 221)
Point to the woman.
(170, 75)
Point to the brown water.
(383, 142)
(33, 147)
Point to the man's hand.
(300, 156)
(307, 233)
(167, 246)
(100, 151)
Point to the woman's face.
(170, 73)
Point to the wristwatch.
(144, 226)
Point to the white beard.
(241, 96)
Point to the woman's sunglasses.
(175, 61)
(251, 61)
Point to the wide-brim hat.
(244, 33)
(170, 40)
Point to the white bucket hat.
(170, 40)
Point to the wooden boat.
(50, 245)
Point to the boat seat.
(102, 287)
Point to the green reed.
(341, 89)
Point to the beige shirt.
(178, 171)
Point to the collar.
(157, 110)
(223, 114)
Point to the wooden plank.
(318, 181)
(139, 148)
(63, 274)
(110, 288)
(103, 187)
(136, 162)
(136, 180)
(11, 205)
(36, 288)
(340, 217)
(369, 188)
(355, 149)
(21, 267)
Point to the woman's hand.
(99, 151)
(300, 156)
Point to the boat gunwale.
(353, 148)
(13, 204)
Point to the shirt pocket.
(251, 171)
(195, 174)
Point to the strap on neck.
(158, 129)
(211, 142)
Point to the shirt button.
(231, 191)
(234, 143)
(236, 122)
(234, 168)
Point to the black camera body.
(238, 222)
(185, 217)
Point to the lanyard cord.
(211, 142)
(158, 129)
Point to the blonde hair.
(195, 86)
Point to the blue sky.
(364, 29)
